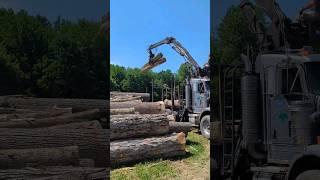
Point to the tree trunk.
(122, 111)
(92, 143)
(137, 125)
(51, 121)
(11, 113)
(150, 108)
(80, 125)
(124, 98)
(56, 173)
(86, 163)
(128, 151)
(19, 158)
(128, 104)
(180, 127)
(27, 114)
(8, 110)
(145, 96)
(24, 102)
(3, 117)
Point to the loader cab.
(200, 94)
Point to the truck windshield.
(313, 77)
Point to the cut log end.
(181, 138)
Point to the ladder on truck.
(228, 94)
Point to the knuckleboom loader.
(269, 103)
(195, 106)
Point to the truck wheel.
(205, 126)
(309, 175)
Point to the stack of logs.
(142, 130)
(42, 138)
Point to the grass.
(146, 171)
(196, 145)
(193, 166)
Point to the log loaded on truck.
(270, 102)
(195, 106)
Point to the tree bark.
(145, 96)
(21, 114)
(8, 110)
(12, 113)
(124, 98)
(180, 127)
(80, 125)
(150, 108)
(24, 102)
(138, 125)
(56, 173)
(128, 104)
(86, 163)
(51, 121)
(19, 158)
(92, 143)
(128, 151)
(122, 111)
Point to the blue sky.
(289, 7)
(68, 9)
(137, 24)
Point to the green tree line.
(231, 39)
(133, 80)
(52, 59)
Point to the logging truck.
(270, 103)
(195, 106)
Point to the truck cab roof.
(268, 60)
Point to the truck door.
(196, 97)
(203, 95)
(283, 114)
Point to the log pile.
(43, 138)
(133, 103)
(141, 131)
(128, 96)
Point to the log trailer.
(270, 103)
(195, 106)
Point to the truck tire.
(205, 126)
(309, 175)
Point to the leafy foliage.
(133, 80)
(59, 59)
(232, 39)
(234, 36)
